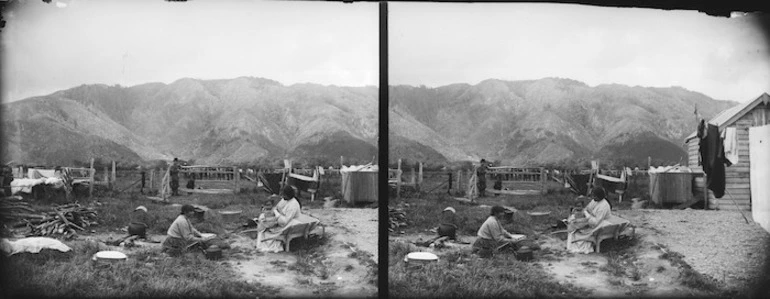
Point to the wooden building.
(737, 177)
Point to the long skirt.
(578, 246)
(268, 230)
(486, 247)
(176, 246)
(481, 184)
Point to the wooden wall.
(737, 177)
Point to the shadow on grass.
(145, 274)
(424, 213)
(688, 276)
(460, 275)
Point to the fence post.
(449, 188)
(459, 180)
(114, 181)
(152, 177)
(543, 180)
(91, 178)
(237, 179)
(398, 184)
(107, 177)
(419, 178)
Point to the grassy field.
(146, 274)
(424, 213)
(462, 275)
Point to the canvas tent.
(734, 123)
(359, 183)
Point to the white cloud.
(595, 45)
(48, 49)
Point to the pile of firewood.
(397, 218)
(64, 220)
(12, 209)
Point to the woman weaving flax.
(273, 223)
(594, 216)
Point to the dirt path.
(338, 270)
(718, 244)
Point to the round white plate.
(111, 255)
(539, 213)
(421, 257)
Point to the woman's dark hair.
(598, 193)
(187, 208)
(497, 209)
(288, 192)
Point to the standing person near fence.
(481, 181)
(143, 173)
(174, 172)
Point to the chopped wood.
(63, 221)
(397, 218)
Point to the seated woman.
(283, 215)
(446, 230)
(448, 226)
(492, 236)
(182, 234)
(139, 222)
(595, 215)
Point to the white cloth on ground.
(31, 245)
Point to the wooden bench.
(293, 232)
(612, 231)
(303, 229)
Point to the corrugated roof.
(730, 115)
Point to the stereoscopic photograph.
(560, 150)
(189, 149)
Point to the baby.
(577, 219)
(268, 218)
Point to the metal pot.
(524, 254)
(447, 230)
(213, 252)
(137, 229)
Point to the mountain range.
(550, 120)
(241, 120)
(256, 120)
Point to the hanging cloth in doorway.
(713, 160)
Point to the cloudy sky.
(49, 47)
(435, 44)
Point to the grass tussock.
(462, 275)
(310, 256)
(145, 274)
(688, 276)
(424, 214)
